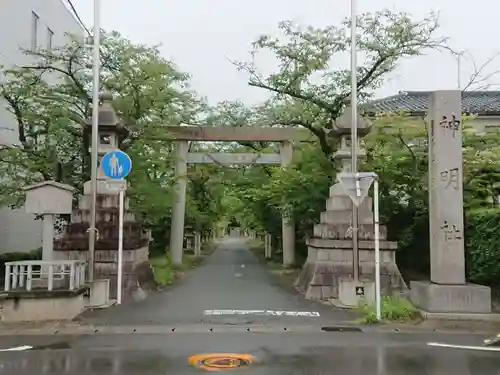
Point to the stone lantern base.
(73, 245)
(328, 271)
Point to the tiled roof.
(477, 102)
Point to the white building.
(27, 24)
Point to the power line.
(75, 12)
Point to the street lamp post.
(459, 68)
(354, 137)
(96, 69)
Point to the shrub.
(162, 270)
(482, 237)
(35, 254)
(392, 309)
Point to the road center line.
(17, 348)
(468, 347)
(312, 314)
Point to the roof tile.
(480, 102)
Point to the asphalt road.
(230, 279)
(274, 353)
(158, 335)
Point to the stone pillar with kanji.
(447, 291)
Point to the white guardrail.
(49, 275)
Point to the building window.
(35, 20)
(50, 37)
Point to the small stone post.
(267, 246)
(197, 244)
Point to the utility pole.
(459, 58)
(96, 70)
(354, 137)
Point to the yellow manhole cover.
(220, 361)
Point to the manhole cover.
(220, 361)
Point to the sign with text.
(445, 187)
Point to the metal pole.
(120, 249)
(377, 248)
(96, 69)
(458, 70)
(354, 138)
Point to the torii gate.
(183, 134)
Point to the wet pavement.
(283, 353)
(260, 321)
(230, 287)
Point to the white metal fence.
(48, 275)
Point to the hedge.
(13, 257)
(482, 237)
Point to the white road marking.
(243, 266)
(17, 348)
(262, 312)
(238, 275)
(468, 347)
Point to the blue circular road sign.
(116, 164)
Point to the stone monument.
(447, 291)
(328, 271)
(74, 243)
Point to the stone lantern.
(328, 271)
(342, 129)
(110, 134)
(74, 244)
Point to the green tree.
(397, 151)
(308, 91)
(51, 98)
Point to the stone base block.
(437, 298)
(99, 293)
(320, 280)
(138, 277)
(38, 306)
(348, 295)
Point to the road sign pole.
(116, 165)
(120, 248)
(96, 69)
(354, 136)
(377, 247)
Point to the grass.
(162, 269)
(393, 309)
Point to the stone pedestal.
(98, 293)
(437, 298)
(329, 262)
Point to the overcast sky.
(200, 36)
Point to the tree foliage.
(310, 86)
(50, 100)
